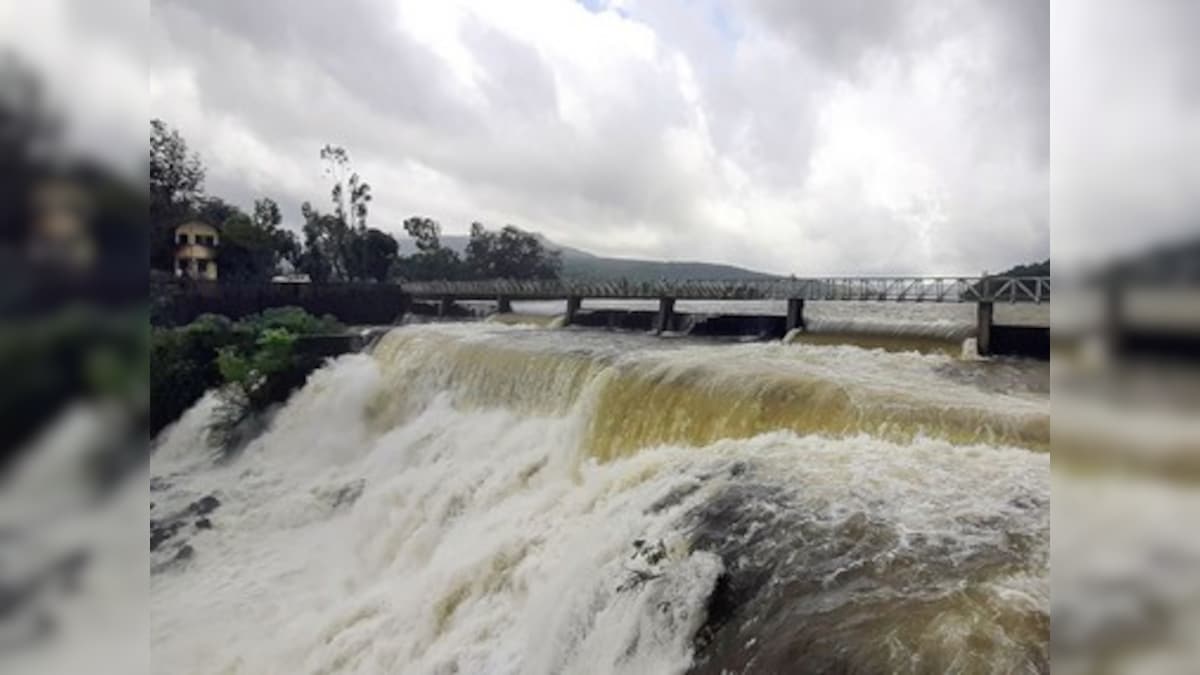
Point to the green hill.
(579, 264)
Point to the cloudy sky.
(792, 136)
(805, 136)
(1125, 127)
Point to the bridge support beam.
(795, 314)
(503, 305)
(983, 328)
(573, 303)
(445, 307)
(666, 309)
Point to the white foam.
(483, 543)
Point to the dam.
(479, 497)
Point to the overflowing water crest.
(486, 498)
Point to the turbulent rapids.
(485, 498)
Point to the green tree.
(375, 254)
(431, 261)
(426, 232)
(266, 213)
(510, 254)
(176, 189)
(214, 211)
(317, 259)
(268, 218)
(246, 252)
(339, 246)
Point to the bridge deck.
(894, 289)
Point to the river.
(490, 498)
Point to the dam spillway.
(484, 498)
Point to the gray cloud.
(1125, 128)
(801, 137)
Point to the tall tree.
(340, 246)
(480, 255)
(268, 218)
(176, 189)
(426, 232)
(316, 260)
(266, 213)
(431, 261)
(351, 196)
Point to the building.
(196, 251)
(61, 233)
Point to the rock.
(203, 524)
(204, 505)
(185, 552)
(161, 532)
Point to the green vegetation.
(580, 265)
(510, 253)
(254, 362)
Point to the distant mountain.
(1035, 269)
(580, 264)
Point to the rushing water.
(483, 498)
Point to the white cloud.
(783, 136)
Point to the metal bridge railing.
(882, 289)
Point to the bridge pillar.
(503, 305)
(795, 314)
(573, 303)
(666, 309)
(445, 307)
(983, 328)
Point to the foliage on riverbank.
(253, 362)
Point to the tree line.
(334, 245)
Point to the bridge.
(984, 291)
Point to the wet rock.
(203, 524)
(204, 505)
(161, 532)
(185, 552)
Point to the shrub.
(253, 360)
